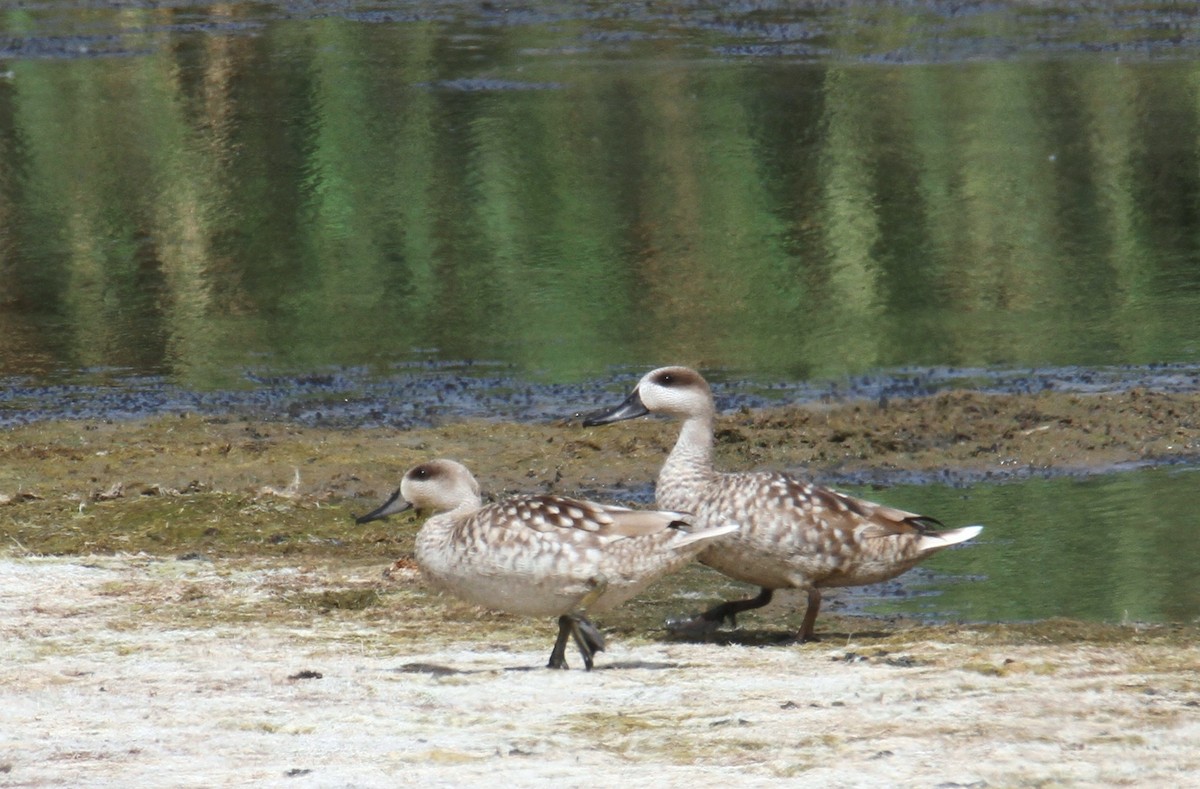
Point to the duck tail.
(944, 539)
(689, 536)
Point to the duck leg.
(587, 636)
(730, 610)
(589, 639)
(558, 655)
(810, 616)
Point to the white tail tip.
(945, 539)
(707, 534)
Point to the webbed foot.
(587, 637)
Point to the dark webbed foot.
(730, 610)
(587, 638)
(695, 628)
(706, 624)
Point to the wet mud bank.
(261, 472)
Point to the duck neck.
(689, 466)
(438, 530)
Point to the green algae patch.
(341, 599)
(686, 735)
(194, 526)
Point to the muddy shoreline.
(945, 426)
(122, 474)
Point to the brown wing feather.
(549, 513)
(873, 520)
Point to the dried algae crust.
(251, 671)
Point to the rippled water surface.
(195, 190)
(1113, 548)
(328, 212)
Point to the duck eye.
(666, 379)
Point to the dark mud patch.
(935, 32)
(423, 395)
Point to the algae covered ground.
(227, 487)
(188, 602)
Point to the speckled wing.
(549, 514)
(865, 519)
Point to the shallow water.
(1114, 548)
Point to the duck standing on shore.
(541, 555)
(794, 535)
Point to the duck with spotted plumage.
(541, 555)
(794, 535)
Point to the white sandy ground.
(96, 691)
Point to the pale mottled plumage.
(794, 534)
(540, 555)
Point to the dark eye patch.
(423, 472)
(675, 378)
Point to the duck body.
(794, 534)
(797, 534)
(540, 555)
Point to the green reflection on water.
(328, 192)
(1114, 548)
